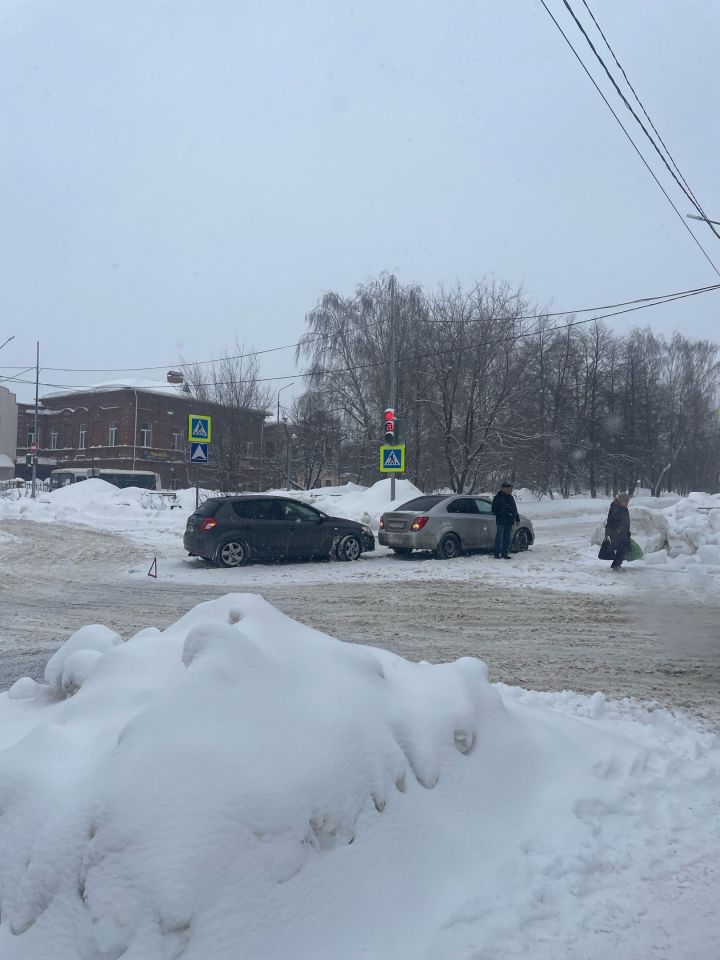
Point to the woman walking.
(617, 530)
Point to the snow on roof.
(142, 384)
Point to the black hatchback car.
(232, 531)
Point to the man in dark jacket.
(506, 514)
(617, 528)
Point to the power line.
(173, 364)
(650, 301)
(636, 95)
(627, 134)
(659, 298)
(684, 185)
(434, 353)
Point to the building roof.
(139, 384)
(172, 391)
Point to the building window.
(54, 439)
(30, 437)
(113, 434)
(177, 440)
(145, 435)
(82, 439)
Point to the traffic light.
(28, 459)
(389, 425)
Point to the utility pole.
(393, 377)
(33, 487)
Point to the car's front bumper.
(368, 543)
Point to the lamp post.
(694, 216)
(278, 397)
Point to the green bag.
(635, 552)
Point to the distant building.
(8, 432)
(137, 425)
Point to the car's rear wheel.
(521, 541)
(234, 553)
(449, 547)
(349, 548)
(403, 551)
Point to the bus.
(64, 476)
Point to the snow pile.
(144, 515)
(693, 522)
(366, 505)
(102, 505)
(242, 785)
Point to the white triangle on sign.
(199, 429)
(391, 459)
(199, 454)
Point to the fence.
(17, 489)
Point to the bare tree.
(483, 391)
(316, 436)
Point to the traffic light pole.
(37, 386)
(393, 378)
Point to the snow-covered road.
(550, 620)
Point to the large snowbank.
(692, 523)
(366, 505)
(145, 515)
(241, 785)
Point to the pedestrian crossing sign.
(199, 428)
(392, 458)
(199, 453)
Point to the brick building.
(137, 426)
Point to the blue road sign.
(198, 453)
(199, 428)
(392, 458)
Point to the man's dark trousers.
(502, 539)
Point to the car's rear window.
(209, 508)
(421, 503)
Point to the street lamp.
(278, 397)
(5, 342)
(694, 216)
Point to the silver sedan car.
(447, 525)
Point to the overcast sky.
(176, 174)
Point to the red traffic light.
(389, 414)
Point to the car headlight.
(367, 531)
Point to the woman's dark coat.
(617, 528)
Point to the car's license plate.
(396, 524)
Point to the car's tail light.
(418, 523)
(381, 525)
(207, 524)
